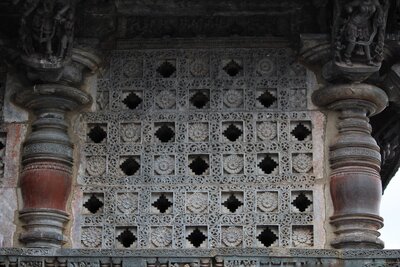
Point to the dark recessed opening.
(126, 238)
(97, 134)
(196, 238)
(199, 166)
(2, 145)
(199, 99)
(130, 166)
(165, 134)
(93, 204)
(232, 68)
(232, 203)
(267, 99)
(166, 69)
(267, 237)
(301, 132)
(232, 133)
(132, 100)
(267, 165)
(301, 202)
(162, 204)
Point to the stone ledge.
(258, 253)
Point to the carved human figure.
(362, 26)
(46, 27)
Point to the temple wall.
(244, 116)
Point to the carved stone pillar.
(47, 163)
(47, 156)
(53, 73)
(355, 159)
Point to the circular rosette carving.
(197, 202)
(161, 236)
(198, 132)
(266, 131)
(96, 166)
(164, 165)
(302, 163)
(130, 132)
(132, 68)
(232, 236)
(233, 98)
(267, 201)
(91, 237)
(233, 164)
(127, 202)
(199, 68)
(265, 66)
(165, 99)
(303, 237)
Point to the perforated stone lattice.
(199, 149)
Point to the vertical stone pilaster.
(355, 182)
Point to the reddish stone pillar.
(47, 160)
(355, 159)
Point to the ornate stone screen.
(200, 148)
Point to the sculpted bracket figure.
(359, 31)
(46, 32)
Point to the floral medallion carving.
(197, 202)
(96, 166)
(130, 132)
(91, 237)
(265, 66)
(164, 165)
(266, 131)
(199, 68)
(303, 237)
(233, 98)
(267, 201)
(127, 202)
(232, 236)
(165, 99)
(198, 132)
(302, 163)
(233, 164)
(161, 237)
(133, 69)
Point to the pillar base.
(43, 228)
(358, 231)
